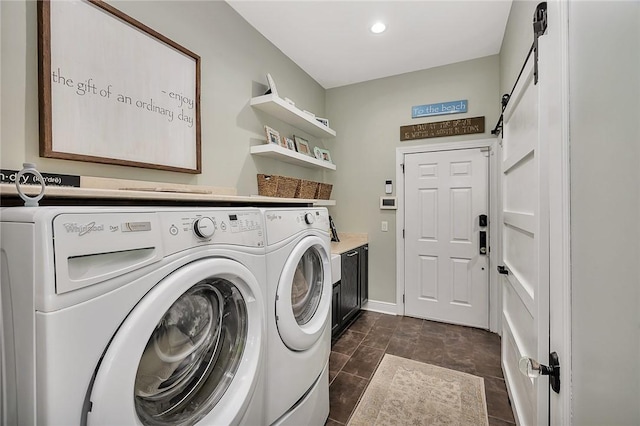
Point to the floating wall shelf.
(283, 111)
(289, 156)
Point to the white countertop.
(348, 241)
(119, 189)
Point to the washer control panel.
(195, 227)
(93, 245)
(281, 224)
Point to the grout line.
(503, 420)
(368, 380)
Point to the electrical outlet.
(385, 226)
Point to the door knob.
(533, 369)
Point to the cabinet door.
(364, 274)
(335, 309)
(349, 286)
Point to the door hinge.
(403, 298)
(403, 233)
(539, 27)
(402, 165)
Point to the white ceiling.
(331, 41)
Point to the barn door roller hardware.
(539, 27)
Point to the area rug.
(407, 392)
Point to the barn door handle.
(533, 369)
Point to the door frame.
(557, 120)
(495, 292)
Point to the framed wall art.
(272, 85)
(290, 144)
(302, 145)
(323, 121)
(112, 90)
(322, 154)
(273, 136)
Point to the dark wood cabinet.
(352, 291)
(335, 309)
(349, 285)
(363, 278)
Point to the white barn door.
(525, 250)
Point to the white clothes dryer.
(298, 311)
(133, 316)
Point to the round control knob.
(204, 227)
(309, 219)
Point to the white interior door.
(525, 250)
(446, 277)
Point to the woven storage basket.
(267, 185)
(307, 189)
(277, 186)
(287, 187)
(324, 191)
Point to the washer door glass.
(303, 297)
(306, 289)
(192, 356)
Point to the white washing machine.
(133, 316)
(298, 310)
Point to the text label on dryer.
(83, 229)
(136, 226)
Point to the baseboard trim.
(382, 307)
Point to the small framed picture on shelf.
(283, 142)
(322, 154)
(289, 143)
(273, 136)
(272, 86)
(317, 153)
(302, 145)
(323, 121)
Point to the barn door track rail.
(539, 28)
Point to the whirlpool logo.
(83, 229)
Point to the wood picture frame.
(302, 145)
(273, 136)
(322, 154)
(289, 143)
(114, 91)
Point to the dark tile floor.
(356, 354)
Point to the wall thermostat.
(388, 203)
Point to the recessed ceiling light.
(378, 27)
